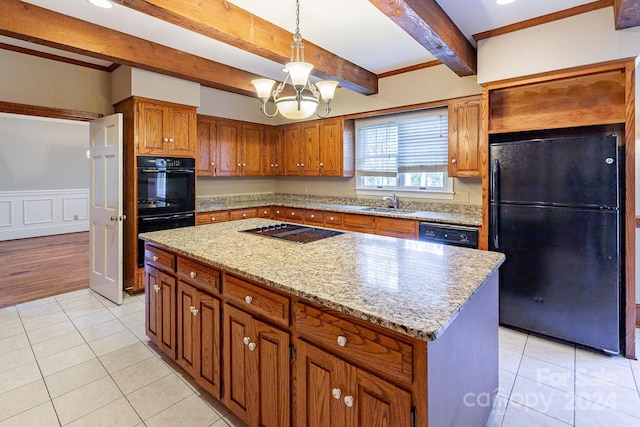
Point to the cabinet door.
(240, 374)
(322, 381)
(181, 131)
(206, 148)
(310, 135)
(160, 320)
(209, 344)
(379, 403)
(465, 137)
(252, 150)
(331, 147)
(187, 338)
(273, 158)
(291, 148)
(151, 132)
(227, 146)
(271, 355)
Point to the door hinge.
(413, 417)
(292, 351)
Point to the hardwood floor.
(43, 266)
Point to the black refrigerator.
(555, 214)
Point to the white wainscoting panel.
(43, 213)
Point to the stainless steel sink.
(387, 210)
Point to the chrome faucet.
(393, 201)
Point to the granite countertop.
(417, 213)
(415, 288)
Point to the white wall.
(32, 80)
(127, 82)
(39, 153)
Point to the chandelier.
(307, 96)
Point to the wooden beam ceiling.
(234, 26)
(427, 23)
(42, 26)
(627, 13)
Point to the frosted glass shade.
(327, 89)
(299, 72)
(288, 106)
(263, 88)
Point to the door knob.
(193, 274)
(252, 346)
(348, 400)
(342, 341)
(336, 393)
(246, 340)
(114, 218)
(248, 299)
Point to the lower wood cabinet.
(333, 393)
(256, 370)
(160, 316)
(274, 360)
(199, 337)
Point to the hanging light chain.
(297, 47)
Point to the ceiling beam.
(225, 22)
(627, 13)
(429, 25)
(34, 24)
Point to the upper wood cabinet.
(319, 148)
(206, 146)
(465, 137)
(230, 148)
(273, 156)
(165, 129)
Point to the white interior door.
(106, 210)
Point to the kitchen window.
(404, 153)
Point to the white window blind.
(404, 143)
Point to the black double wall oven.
(166, 195)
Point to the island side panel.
(463, 363)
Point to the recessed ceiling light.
(105, 4)
(500, 2)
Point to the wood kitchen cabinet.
(359, 223)
(396, 227)
(239, 148)
(465, 137)
(160, 319)
(206, 146)
(274, 152)
(319, 148)
(150, 127)
(333, 393)
(166, 129)
(212, 217)
(256, 369)
(198, 335)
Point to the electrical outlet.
(461, 196)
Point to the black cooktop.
(293, 232)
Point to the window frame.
(407, 191)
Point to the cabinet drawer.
(362, 223)
(159, 258)
(358, 344)
(332, 219)
(205, 277)
(243, 214)
(294, 215)
(264, 212)
(212, 217)
(404, 228)
(257, 300)
(279, 212)
(314, 217)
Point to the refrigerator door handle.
(495, 197)
(495, 175)
(494, 227)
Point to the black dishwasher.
(445, 234)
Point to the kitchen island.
(354, 329)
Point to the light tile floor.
(77, 359)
